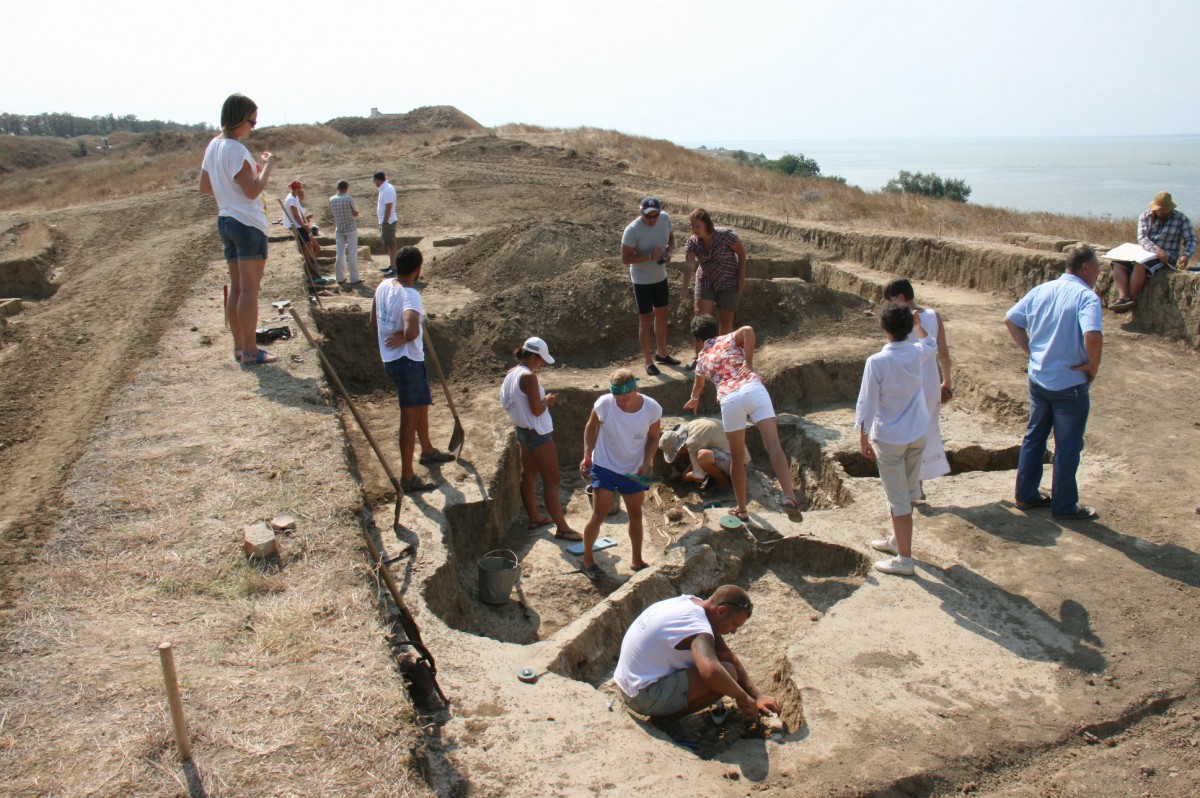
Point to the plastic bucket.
(613, 509)
(498, 573)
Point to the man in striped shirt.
(1167, 233)
(345, 234)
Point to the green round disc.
(731, 522)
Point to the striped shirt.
(718, 269)
(1171, 235)
(343, 209)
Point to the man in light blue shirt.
(1058, 324)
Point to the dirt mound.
(529, 254)
(430, 117)
(290, 137)
(19, 153)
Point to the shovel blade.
(457, 437)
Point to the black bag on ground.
(269, 335)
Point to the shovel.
(458, 435)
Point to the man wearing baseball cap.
(1167, 233)
(646, 248)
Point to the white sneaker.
(886, 545)
(900, 566)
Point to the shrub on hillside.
(788, 164)
(928, 185)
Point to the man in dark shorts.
(398, 315)
(385, 210)
(646, 248)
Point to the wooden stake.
(176, 703)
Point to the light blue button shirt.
(1056, 315)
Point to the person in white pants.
(345, 234)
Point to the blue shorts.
(532, 439)
(605, 479)
(412, 384)
(242, 242)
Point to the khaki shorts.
(665, 697)
(900, 471)
(387, 232)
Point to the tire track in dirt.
(126, 268)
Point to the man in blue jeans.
(1058, 325)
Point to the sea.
(1096, 176)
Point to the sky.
(685, 70)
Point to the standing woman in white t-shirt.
(235, 179)
(528, 406)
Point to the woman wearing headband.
(528, 406)
(728, 360)
(619, 442)
(235, 179)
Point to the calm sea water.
(1093, 176)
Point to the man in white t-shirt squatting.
(398, 314)
(674, 660)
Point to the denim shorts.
(412, 384)
(242, 242)
(665, 697)
(532, 439)
(604, 479)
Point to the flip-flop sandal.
(568, 534)
(436, 456)
(259, 358)
(595, 573)
(237, 354)
(744, 517)
(539, 524)
(641, 567)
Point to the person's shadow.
(1013, 621)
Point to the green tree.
(928, 185)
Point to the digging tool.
(421, 672)
(310, 262)
(458, 435)
(362, 425)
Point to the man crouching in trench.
(674, 660)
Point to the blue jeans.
(1065, 412)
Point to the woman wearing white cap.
(528, 405)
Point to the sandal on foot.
(641, 567)
(416, 485)
(792, 509)
(539, 524)
(743, 516)
(436, 456)
(237, 354)
(1041, 501)
(259, 358)
(595, 573)
(567, 534)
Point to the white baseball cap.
(538, 347)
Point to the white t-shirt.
(391, 301)
(648, 651)
(386, 194)
(645, 239)
(292, 207)
(223, 159)
(516, 403)
(621, 444)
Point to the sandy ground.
(1027, 658)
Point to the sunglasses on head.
(748, 606)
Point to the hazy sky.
(687, 71)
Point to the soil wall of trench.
(1168, 306)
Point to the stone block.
(258, 541)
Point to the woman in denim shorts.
(236, 180)
(528, 405)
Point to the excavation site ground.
(1027, 657)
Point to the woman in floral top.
(719, 261)
(728, 360)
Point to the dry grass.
(26, 240)
(286, 676)
(720, 183)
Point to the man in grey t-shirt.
(646, 247)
